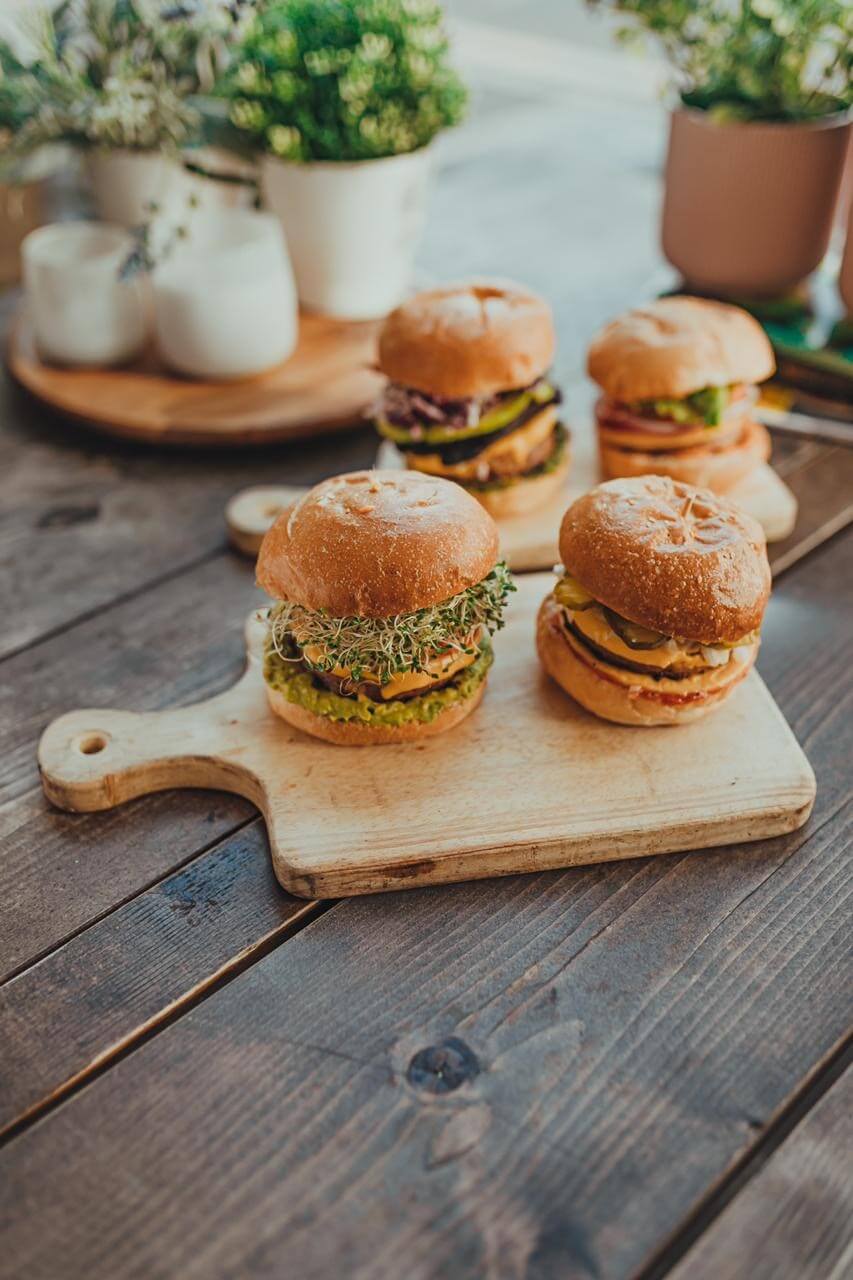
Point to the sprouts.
(384, 647)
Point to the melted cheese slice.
(593, 624)
(708, 681)
(404, 681)
(517, 446)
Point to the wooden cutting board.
(528, 781)
(324, 386)
(530, 542)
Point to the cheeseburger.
(678, 378)
(656, 618)
(387, 587)
(469, 397)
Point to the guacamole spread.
(292, 678)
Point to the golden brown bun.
(354, 733)
(525, 495)
(470, 339)
(679, 560)
(377, 543)
(591, 684)
(717, 467)
(676, 346)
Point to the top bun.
(373, 544)
(679, 560)
(470, 339)
(676, 346)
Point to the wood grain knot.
(443, 1067)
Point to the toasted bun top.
(676, 346)
(677, 559)
(470, 339)
(376, 543)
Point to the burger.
(387, 587)
(469, 396)
(678, 378)
(656, 618)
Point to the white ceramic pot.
(352, 229)
(217, 179)
(748, 207)
(82, 312)
(125, 184)
(224, 301)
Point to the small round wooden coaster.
(324, 386)
(250, 513)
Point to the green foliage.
(385, 646)
(115, 73)
(774, 60)
(343, 79)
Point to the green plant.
(776, 60)
(343, 79)
(119, 73)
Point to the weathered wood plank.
(85, 520)
(174, 645)
(117, 979)
(619, 1035)
(794, 1220)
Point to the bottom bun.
(586, 679)
(356, 733)
(707, 466)
(523, 496)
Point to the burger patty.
(463, 450)
(657, 673)
(351, 689)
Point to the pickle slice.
(571, 595)
(633, 635)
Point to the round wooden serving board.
(528, 781)
(325, 385)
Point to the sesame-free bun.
(355, 733)
(525, 495)
(471, 339)
(676, 559)
(676, 346)
(373, 544)
(709, 466)
(623, 696)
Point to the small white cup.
(82, 312)
(224, 300)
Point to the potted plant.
(758, 142)
(120, 79)
(342, 102)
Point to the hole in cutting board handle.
(89, 744)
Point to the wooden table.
(638, 1069)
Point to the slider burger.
(469, 397)
(678, 380)
(387, 587)
(657, 616)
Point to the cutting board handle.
(96, 759)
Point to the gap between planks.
(170, 1013)
(735, 1180)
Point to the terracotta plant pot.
(845, 276)
(21, 211)
(748, 208)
